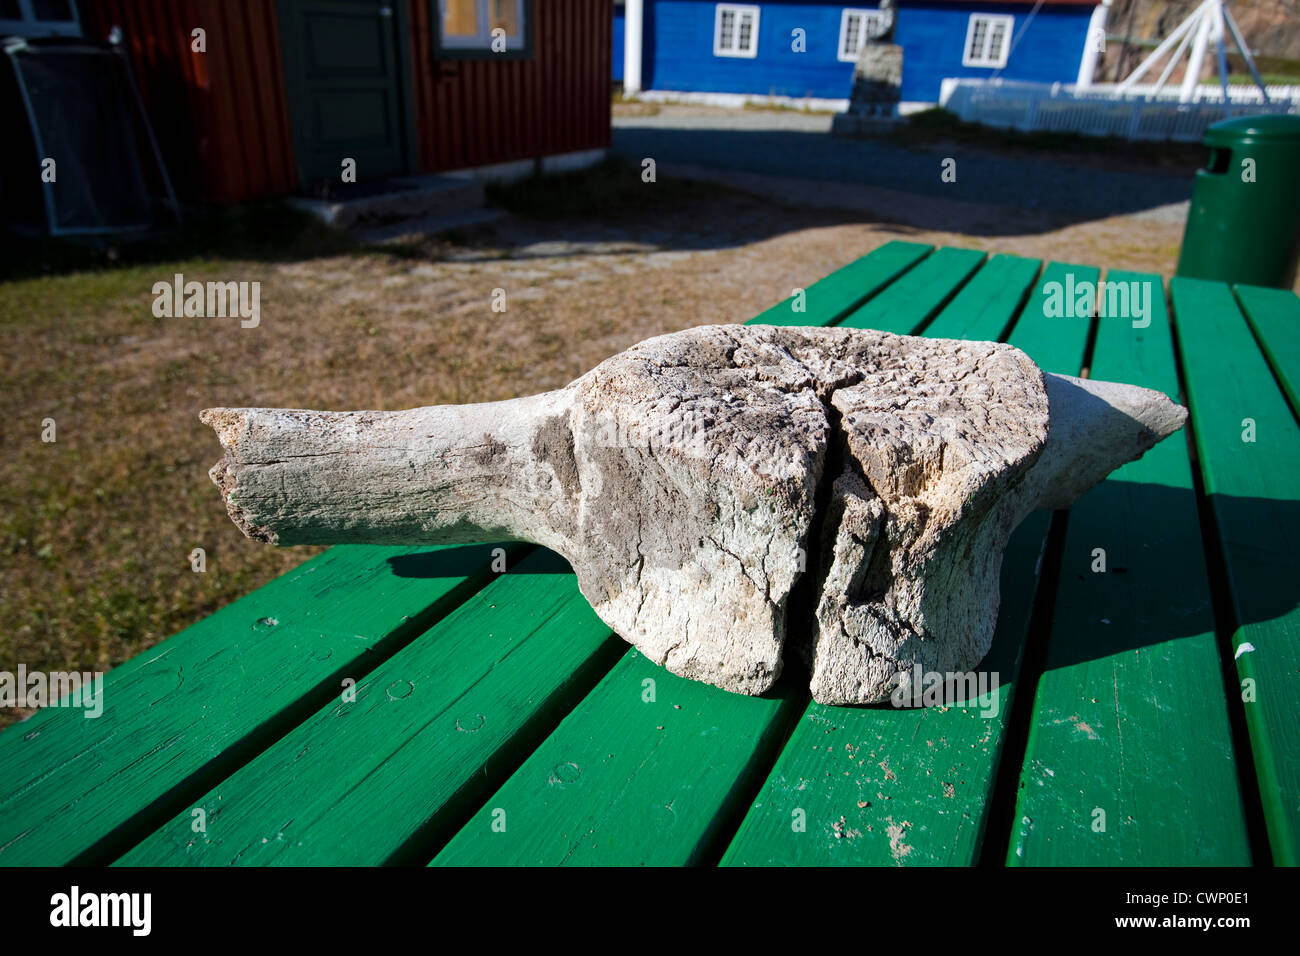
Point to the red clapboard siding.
(221, 117)
(477, 112)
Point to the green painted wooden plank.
(1130, 716)
(1255, 499)
(845, 289)
(206, 699)
(918, 294)
(644, 772)
(1274, 314)
(889, 786)
(865, 788)
(985, 306)
(1056, 341)
(427, 737)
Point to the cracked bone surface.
(728, 494)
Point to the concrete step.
(398, 199)
(426, 226)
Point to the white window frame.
(737, 11)
(982, 58)
(483, 39)
(865, 20)
(28, 26)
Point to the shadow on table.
(1155, 587)
(457, 560)
(1159, 541)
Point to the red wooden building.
(274, 94)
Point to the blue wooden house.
(806, 49)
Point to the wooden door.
(343, 71)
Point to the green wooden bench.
(1142, 715)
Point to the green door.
(343, 75)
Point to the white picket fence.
(1101, 110)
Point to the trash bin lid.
(1277, 126)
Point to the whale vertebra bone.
(693, 480)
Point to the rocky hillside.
(1271, 28)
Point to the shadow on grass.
(611, 190)
(608, 196)
(266, 231)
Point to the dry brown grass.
(96, 529)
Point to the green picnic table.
(386, 705)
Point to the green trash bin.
(1244, 224)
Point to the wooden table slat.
(428, 736)
(206, 699)
(644, 772)
(986, 305)
(1130, 757)
(1056, 342)
(1274, 314)
(831, 298)
(1248, 446)
(918, 294)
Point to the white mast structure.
(1207, 24)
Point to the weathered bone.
(685, 477)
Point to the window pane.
(746, 31)
(507, 15)
(851, 25)
(460, 18)
(996, 36)
(976, 51)
(726, 26)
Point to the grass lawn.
(1274, 70)
(97, 527)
